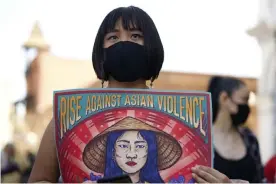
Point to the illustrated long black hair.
(217, 85)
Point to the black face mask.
(126, 62)
(241, 116)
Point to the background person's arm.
(46, 168)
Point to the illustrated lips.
(131, 163)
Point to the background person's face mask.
(242, 114)
(126, 61)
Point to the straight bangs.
(131, 19)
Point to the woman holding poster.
(127, 53)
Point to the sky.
(206, 36)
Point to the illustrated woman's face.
(131, 151)
(120, 34)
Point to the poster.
(153, 136)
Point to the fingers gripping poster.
(152, 136)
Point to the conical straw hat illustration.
(169, 150)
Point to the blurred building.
(265, 34)
(47, 73)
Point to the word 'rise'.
(187, 108)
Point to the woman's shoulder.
(249, 137)
(245, 131)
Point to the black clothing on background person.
(249, 167)
(242, 168)
(12, 167)
(27, 172)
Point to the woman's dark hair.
(131, 17)
(219, 84)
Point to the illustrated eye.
(140, 146)
(123, 146)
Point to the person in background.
(236, 149)
(127, 53)
(270, 170)
(26, 173)
(8, 164)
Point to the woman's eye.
(136, 36)
(112, 38)
(140, 146)
(123, 146)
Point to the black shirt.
(248, 168)
(244, 169)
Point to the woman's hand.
(203, 174)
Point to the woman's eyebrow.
(126, 141)
(136, 142)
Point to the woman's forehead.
(241, 92)
(131, 134)
(125, 25)
(118, 24)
